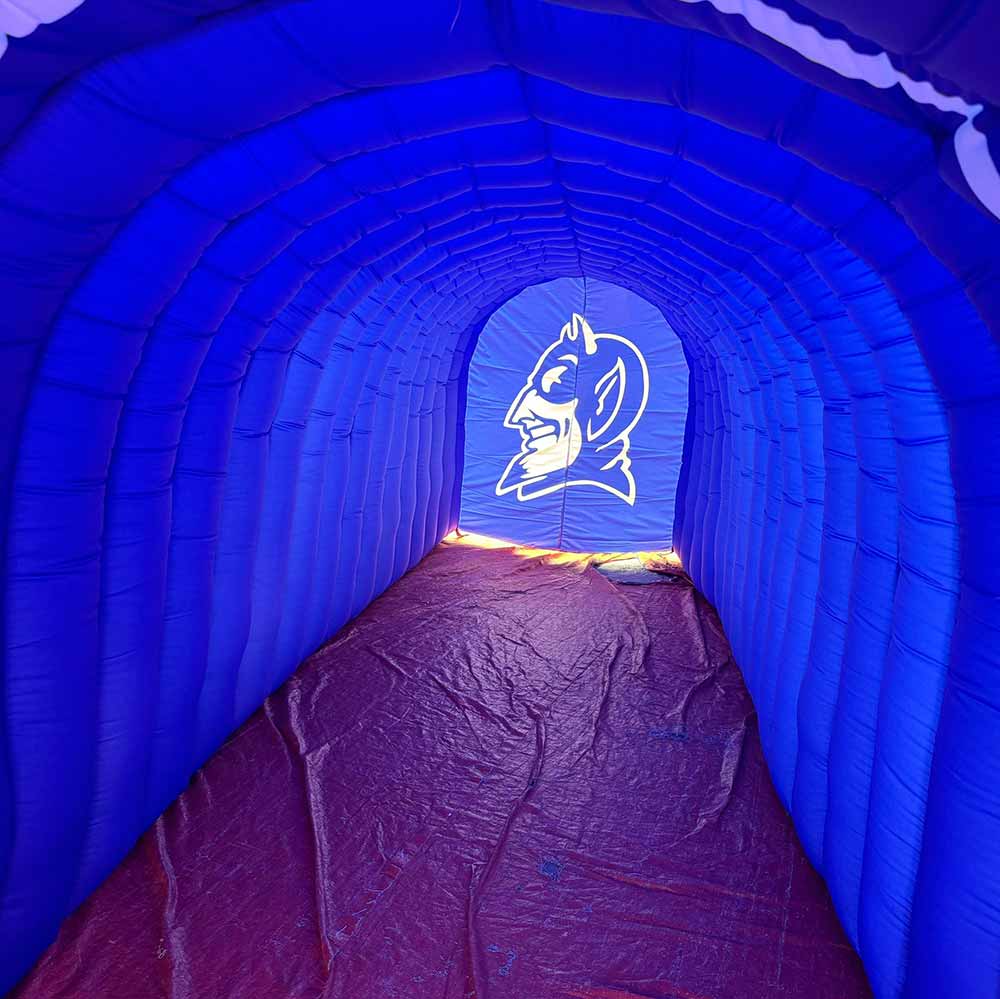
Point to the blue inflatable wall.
(246, 250)
(576, 404)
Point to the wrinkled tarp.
(510, 776)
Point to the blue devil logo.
(583, 398)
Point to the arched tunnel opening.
(294, 290)
(572, 435)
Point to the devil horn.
(589, 339)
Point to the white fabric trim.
(971, 147)
(20, 17)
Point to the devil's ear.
(609, 393)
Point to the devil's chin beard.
(538, 463)
(549, 459)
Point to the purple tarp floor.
(509, 777)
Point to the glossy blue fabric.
(245, 254)
(598, 474)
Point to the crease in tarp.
(298, 764)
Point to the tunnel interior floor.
(510, 776)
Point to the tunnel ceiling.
(246, 251)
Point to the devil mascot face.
(575, 413)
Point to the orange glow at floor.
(652, 559)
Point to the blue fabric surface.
(246, 252)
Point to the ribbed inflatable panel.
(245, 254)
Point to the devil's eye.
(553, 377)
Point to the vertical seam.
(576, 382)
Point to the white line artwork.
(575, 414)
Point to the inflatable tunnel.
(292, 289)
